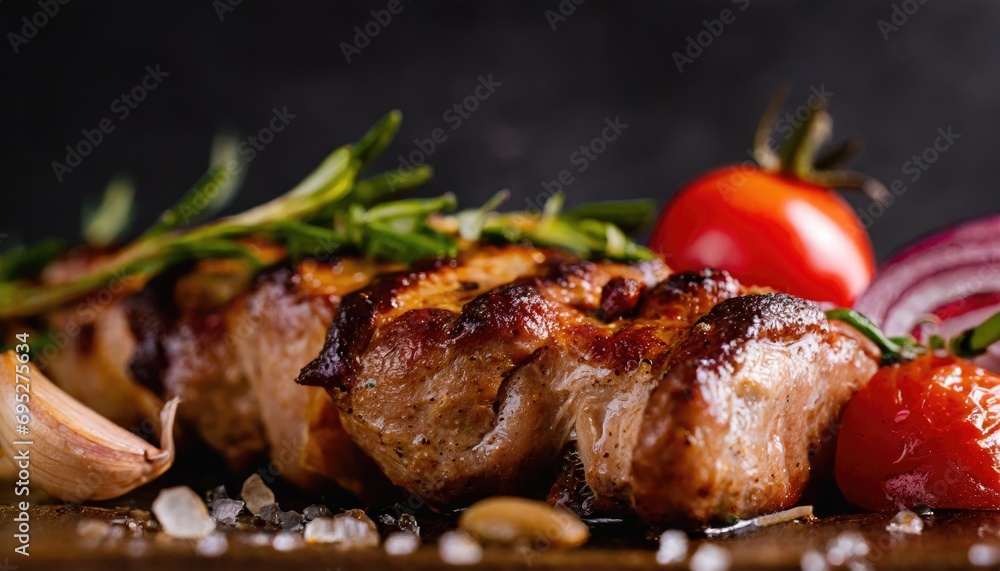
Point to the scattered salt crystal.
(906, 522)
(270, 514)
(408, 522)
(290, 520)
(225, 510)
(314, 511)
(350, 530)
(845, 547)
(813, 560)
(92, 532)
(216, 493)
(673, 547)
(710, 557)
(257, 539)
(984, 554)
(459, 548)
(182, 513)
(402, 543)
(256, 494)
(117, 533)
(286, 541)
(212, 545)
(136, 548)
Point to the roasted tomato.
(778, 223)
(924, 432)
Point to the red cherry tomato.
(768, 230)
(924, 432)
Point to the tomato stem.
(796, 158)
(976, 340)
(894, 349)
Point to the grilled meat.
(687, 397)
(279, 328)
(232, 363)
(468, 377)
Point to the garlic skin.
(75, 453)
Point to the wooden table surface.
(56, 544)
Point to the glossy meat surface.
(468, 377)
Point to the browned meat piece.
(454, 377)
(91, 364)
(93, 346)
(743, 396)
(231, 351)
(280, 327)
(469, 377)
(186, 351)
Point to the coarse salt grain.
(286, 541)
(845, 547)
(182, 513)
(212, 545)
(314, 511)
(984, 554)
(256, 494)
(225, 510)
(256, 539)
(346, 529)
(401, 543)
(906, 522)
(92, 532)
(459, 548)
(813, 560)
(673, 547)
(710, 557)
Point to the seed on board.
(507, 520)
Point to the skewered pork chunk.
(689, 397)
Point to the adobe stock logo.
(696, 44)
(899, 17)
(363, 35)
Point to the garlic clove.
(75, 453)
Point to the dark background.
(941, 68)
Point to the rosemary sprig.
(210, 193)
(894, 349)
(104, 224)
(594, 237)
(22, 262)
(328, 213)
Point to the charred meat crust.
(461, 382)
(151, 313)
(729, 429)
(454, 399)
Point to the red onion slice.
(953, 275)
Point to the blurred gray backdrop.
(689, 81)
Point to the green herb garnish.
(330, 212)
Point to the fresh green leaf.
(370, 190)
(24, 262)
(210, 193)
(305, 240)
(471, 222)
(378, 138)
(381, 241)
(105, 223)
(628, 215)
